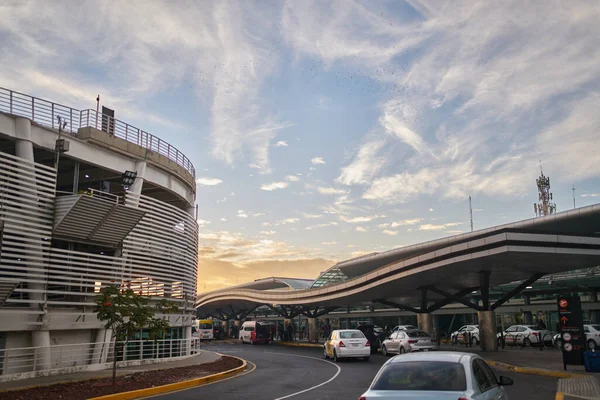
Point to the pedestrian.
(303, 332)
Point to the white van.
(255, 332)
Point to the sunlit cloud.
(274, 186)
(208, 181)
(317, 160)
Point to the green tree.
(127, 313)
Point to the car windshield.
(351, 335)
(414, 334)
(205, 326)
(596, 327)
(422, 376)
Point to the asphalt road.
(296, 372)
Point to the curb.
(534, 371)
(171, 387)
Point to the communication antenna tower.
(545, 205)
(471, 213)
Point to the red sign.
(563, 303)
(564, 320)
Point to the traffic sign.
(571, 328)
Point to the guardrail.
(34, 359)
(46, 113)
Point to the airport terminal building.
(87, 200)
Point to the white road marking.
(313, 387)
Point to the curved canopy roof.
(511, 252)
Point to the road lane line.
(339, 369)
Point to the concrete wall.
(177, 181)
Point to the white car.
(347, 343)
(401, 342)
(524, 335)
(592, 335)
(403, 328)
(460, 336)
(441, 376)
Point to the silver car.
(440, 376)
(401, 342)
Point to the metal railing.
(38, 110)
(135, 135)
(34, 359)
(45, 113)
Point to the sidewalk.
(202, 358)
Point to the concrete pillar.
(527, 315)
(225, 328)
(286, 323)
(24, 149)
(436, 328)
(101, 346)
(425, 322)
(487, 331)
(43, 359)
(140, 168)
(313, 330)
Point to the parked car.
(401, 342)
(592, 336)
(524, 335)
(347, 343)
(374, 334)
(403, 328)
(460, 336)
(254, 332)
(440, 376)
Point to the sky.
(324, 130)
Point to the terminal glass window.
(329, 277)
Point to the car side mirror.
(505, 381)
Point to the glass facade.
(329, 277)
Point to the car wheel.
(527, 342)
(325, 356)
(402, 351)
(591, 344)
(335, 357)
(384, 351)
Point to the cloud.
(365, 164)
(329, 243)
(286, 221)
(404, 222)
(360, 253)
(361, 229)
(321, 225)
(590, 195)
(431, 210)
(281, 143)
(268, 233)
(430, 227)
(326, 190)
(292, 178)
(203, 222)
(478, 91)
(203, 181)
(242, 214)
(389, 232)
(223, 219)
(317, 160)
(358, 220)
(311, 216)
(274, 186)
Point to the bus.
(205, 329)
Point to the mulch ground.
(99, 387)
